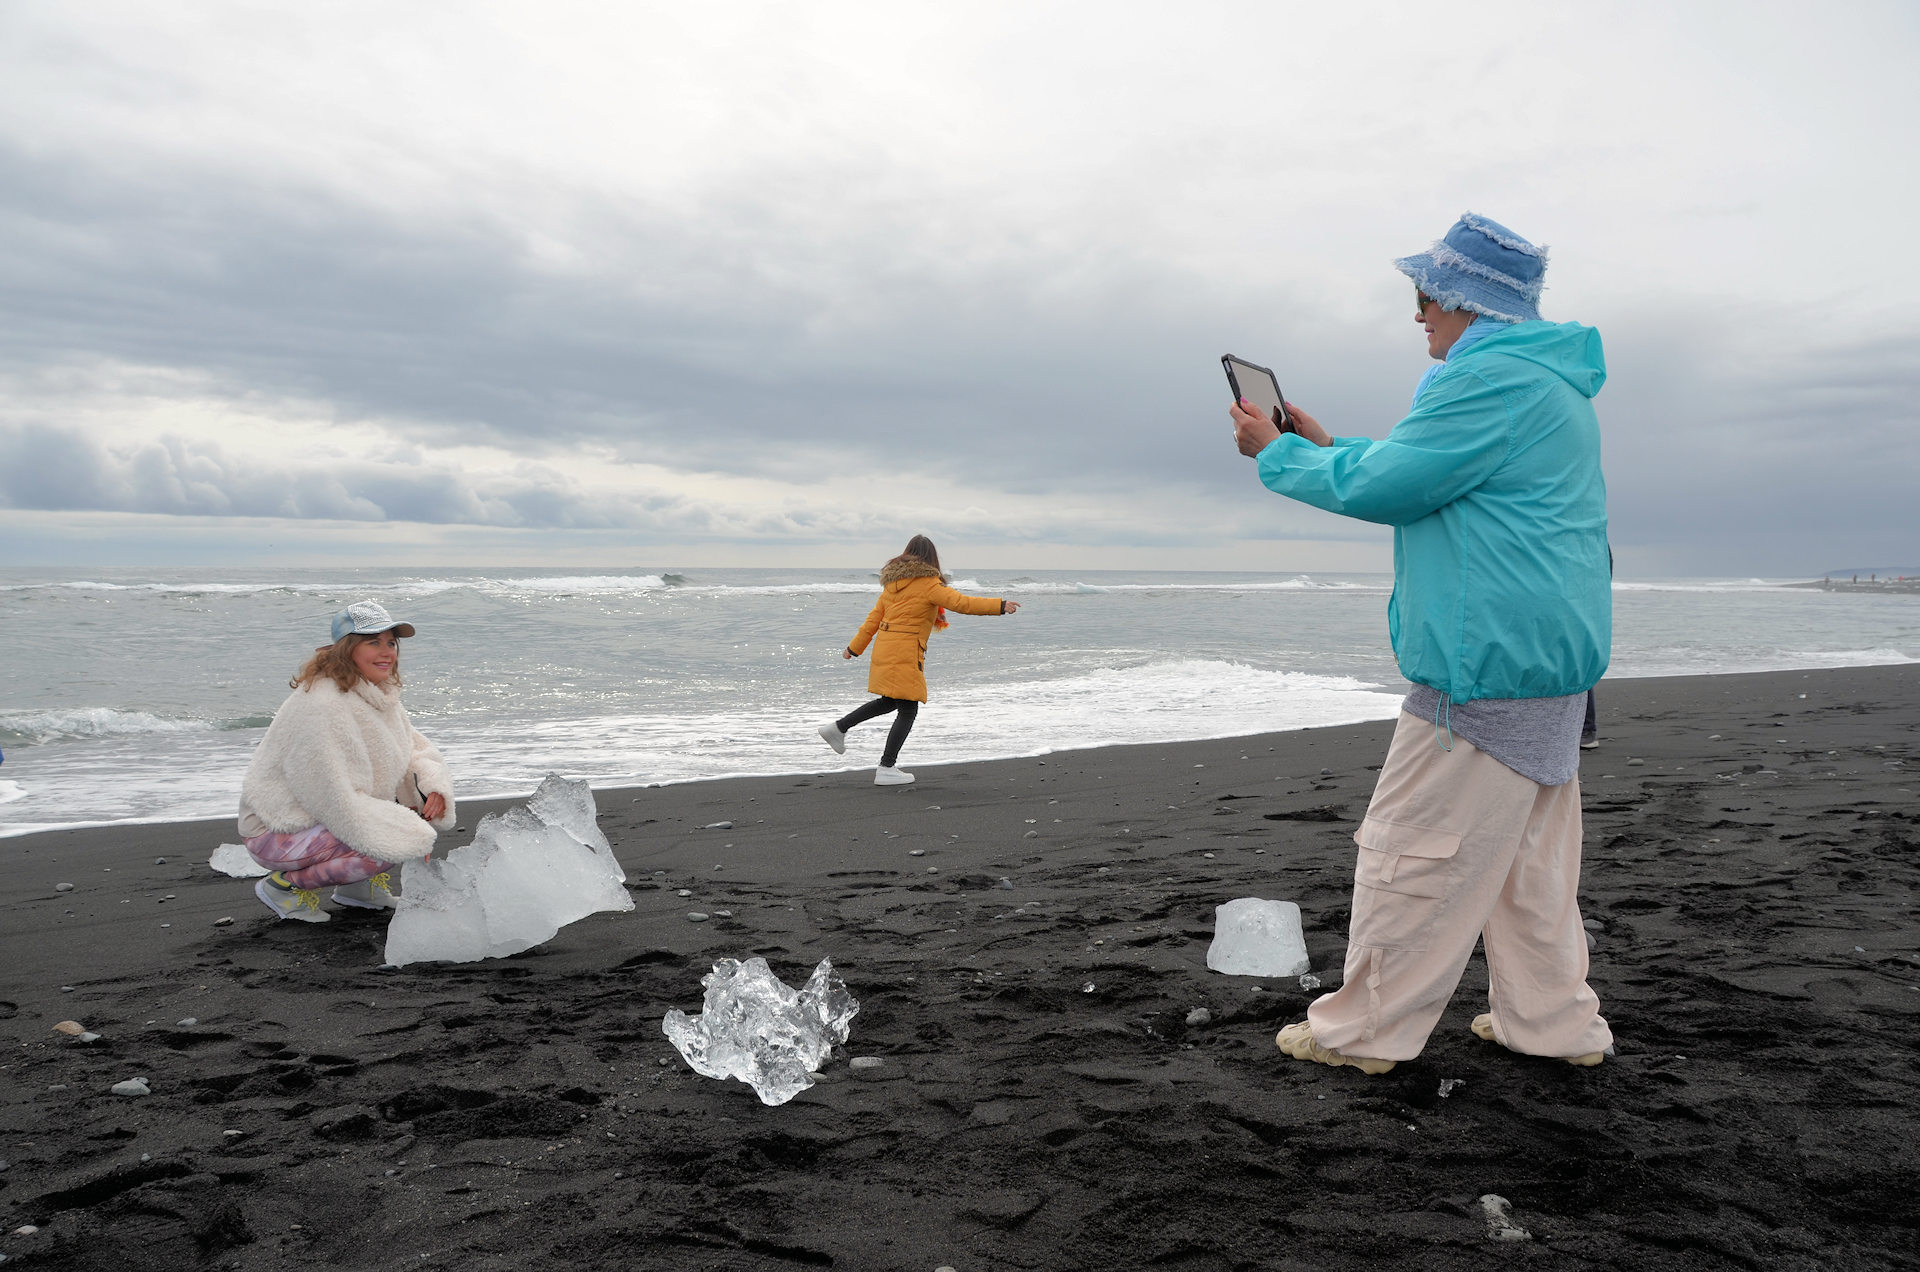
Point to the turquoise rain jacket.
(1492, 485)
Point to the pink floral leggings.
(313, 858)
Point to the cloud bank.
(819, 277)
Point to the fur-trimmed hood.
(902, 568)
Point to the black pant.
(896, 736)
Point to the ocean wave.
(419, 587)
(36, 727)
(577, 584)
(1722, 586)
(11, 792)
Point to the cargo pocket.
(1400, 881)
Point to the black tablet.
(1256, 385)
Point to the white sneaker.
(368, 894)
(290, 902)
(831, 734)
(884, 776)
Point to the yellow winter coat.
(910, 605)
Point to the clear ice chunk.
(1252, 937)
(753, 1027)
(234, 860)
(528, 873)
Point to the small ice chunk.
(234, 860)
(753, 1027)
(528, 873)
(1198, 1017)
(1309, 982)
(1252, 937)
(1500, 1224)
(1449, 1085)
(132, 1086)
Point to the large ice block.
(528, 873)
(1252, 937)
(754, 1028)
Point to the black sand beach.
(1026, 939)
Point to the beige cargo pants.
(1456, 847)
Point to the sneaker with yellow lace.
(1297, 1041)
(288, 901)
(1482, 1027)
(368, 894)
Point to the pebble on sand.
(1199, 1016)
(865, 1062)
(132, 1086)
(73, 1027)
(188, 1023)
(225, 922)
(695, 916)
(718, 826)
(63, 887)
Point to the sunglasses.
(1421, 300)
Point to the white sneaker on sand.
(884, 776)
(289, 902)
(830, 734)
(368, 894)
(1482, 1027)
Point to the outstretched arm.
(961, 603)
(1451, 443)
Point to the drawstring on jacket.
(1443, 718)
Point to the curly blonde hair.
(335, 661)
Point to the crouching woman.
(343, 788)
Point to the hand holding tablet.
(1260, 413)
(1255, 385)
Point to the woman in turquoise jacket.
(1493, 487)
(1502, 618)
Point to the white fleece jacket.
(341, 760)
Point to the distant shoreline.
(1902, 584)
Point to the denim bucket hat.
(1482, 266)
(367, 618)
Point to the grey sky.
(786, 283)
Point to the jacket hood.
(1567, 349)
(901, 569)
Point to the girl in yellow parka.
(914, 600)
